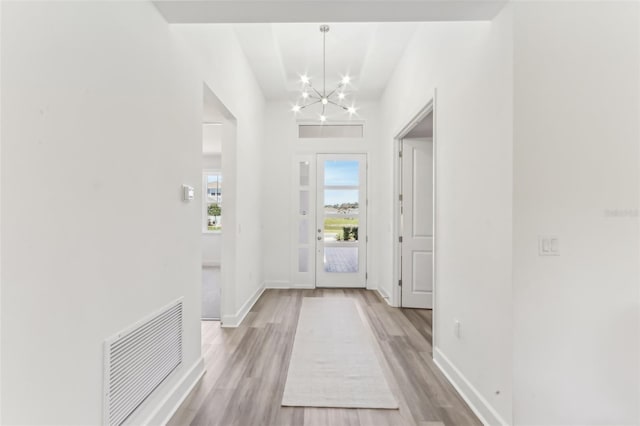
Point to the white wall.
(281, 144)
(575, 167)
(99, 235)
(91, 199)
(470, 64)
(227, 73)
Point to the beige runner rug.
(333, 363)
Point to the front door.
(417, 223)
(341, 220)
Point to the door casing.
(396, 294)
(307, 279)
(335, 279)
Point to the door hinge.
(400, 197)
(399, 239)
(367, 239)
(400, 283)
(400, 153)
(366, 275)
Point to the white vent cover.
(138, 359)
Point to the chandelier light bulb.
(351, 110)
(325, 101)
(305, 95)
(341, 95)
(296, 108)
(323, 118)
(346, 79)
(304, 79)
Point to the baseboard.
(232, 321)
(176, 396)
(303, 286)
(478, 404)
(384, 295)
(277, 284)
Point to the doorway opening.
(415, 165)
(218, 132)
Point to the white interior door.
(341, 220)
(417, 223)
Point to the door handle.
(319, 231)
(319, 238)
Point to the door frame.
(426, 109)
(308, 280)
(363, 216)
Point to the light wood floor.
(247, 369)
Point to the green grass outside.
(334, 225)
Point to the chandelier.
(311, 95)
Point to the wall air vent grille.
(138, 359)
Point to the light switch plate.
(548, 245)
(188, 193)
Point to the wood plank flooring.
(247, 369)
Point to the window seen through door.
(213, 201)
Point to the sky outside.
(341, 173)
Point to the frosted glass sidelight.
(303, 231)
(304, 203)
(304, 173)
(303, 259)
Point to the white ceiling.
(234, 11)
(280, 53)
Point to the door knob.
(319, 238)
(319, 230)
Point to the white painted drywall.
(281, 144)
(227, 73)
(470, 64)
(101, 126)
(576, 138)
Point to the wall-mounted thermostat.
(188, 193)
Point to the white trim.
(277, 284)
(478, 404)
(232, 321)
(303, 286)
(384, 295)
(396, 294)
(176, 396)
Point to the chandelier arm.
(338, 105)
(308, 105)
(334, 91)
(314, 89)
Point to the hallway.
(247, 368)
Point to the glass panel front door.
(341, 220)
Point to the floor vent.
(138, 359)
